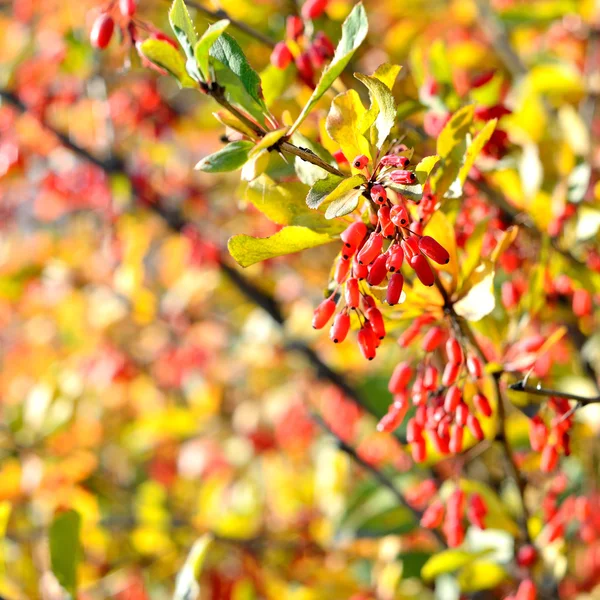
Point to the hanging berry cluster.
(309, 53)
(442, 414)
(373, 255)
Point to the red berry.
(455, 534)
(354, 234)
(159, 35)
(482, 404)
(474, 366)
(432, 339)
(419, 450)
(388, 229)
(281, 56)
(312, 9)
(360, 162)
(102, 31)
(378, 194)
(454, 351)
(340, 328)
(376, 319)
(399, 215)
(352, 293)
(324, 44)
(526, 591)
(371, 249)
(475, 427)
(510, 295)
(582, 302)
(482, 79)
(394, 417)
(461, 414)
(294, 27)
(403, 177)
(366, 343)
(549, 459)
(527, 556)
(583, 509)
(394, 289)
(422, 269)
(127, 7)
(378, 270)
(433, 515)
(340, 158)
(538, 433)
(433, 250)
(323, 313)
(451, 373)
(430, 378)
(410, 245)
(456, 505)
(487, 113)
(395, 258)
(414, 431)
(341, 270)
(391, 160)
(452, 399)
(359, 271)
(400, 378)
(456, 440)
(305, 69)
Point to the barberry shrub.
(454, 245)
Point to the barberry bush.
(300, 301)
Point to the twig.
(521, 386)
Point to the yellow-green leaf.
(270, 139)
(354, 31)
(256, 166)
(480, 575)
(479, 300)
(65, 549)
(448, 561)
(229, 158)
(321, 189)
(383, 106)
(345, 186)
(343, 124)
(202, 48)
(424, 168)
(343, 205)
(387, 74)
(248, 250)
(161, 53)
(187, 586)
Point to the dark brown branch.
(521, 386)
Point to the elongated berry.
(403, 177)
(399, 215)
(456, 439)
(281, 56)
(393, 418)
(377, 270)
(414, 431)
(482, 404)
(455, 533)
(430, 378)
(582, 302)
(293, 27)
(388, 229)
(340, 328)
(378, 194)
(451, 373)
(549, 458)
(461, 414)
(324, 44)
(418, 450)
(390, 160)
(359, 271)
(371, 249)
(366, 343)
(394, 289)
(422, 269)
(509, 294)
(312, 9)
(454, 351)
(432, 339)
(323, 313)
(474, 366)
(306, 72)
(102, 31)
(475, 427)
(342, 268)
(452, 399)
(433, 515)
(354, 234)
(352, 293)
(360, 161)
(400, 378)
(127, 7)
(526, 590)
(340, 158)
(434, 250)
(538, 433)
(376, 319)
(395, 258)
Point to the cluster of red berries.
(365, 256)
(451, 516)
(104, 25)
(441, 411)
(309, 55)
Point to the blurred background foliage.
(141, 389)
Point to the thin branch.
(375, 473)
(538, 390)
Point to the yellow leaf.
(507, 238)
(440, 229)
(270, 139)
(479, 300)
(480, 575)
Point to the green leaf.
(448, 561)
(347, 184)
(275, 82)
(392, 521)
(161, 53)
(65, 549)
(286, 205)
(354, 31)
(187, 586)
(231, 157)
(343, 205)
(321, 189)
(202, 48)
(424, 168)
(481, 575)
(183, 28)
(240, 80)
(451, 148)
(248, 250)
(473, 151)
(344, 124)
(384, 105)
